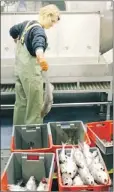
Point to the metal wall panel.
(76, 35)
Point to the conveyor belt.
(74, 87)
(94, 85)
(68, 87)
(7, 88)
(82, 87)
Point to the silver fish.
(16, 188)
(62, 156)
(96, 167)
(31, 184)
(48, 96)
(79, 158)
(100, 177)
(66, 179)
(43, 185)
(86, 152)
(77, 180)
(85, 175)
(94, 154)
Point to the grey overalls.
(28, 87)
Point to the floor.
(85, 114)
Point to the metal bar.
(65, 104)
(108, 112)
(66, 91)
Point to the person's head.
(49, 15)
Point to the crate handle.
(100, 124)
(29, 128)
(32, 157)
(65, 125)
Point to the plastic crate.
(24, 165)
(31, 138)
(108, 159)
(62, 131)
(98, 131)
(99, 187)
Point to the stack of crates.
(35, 151)
(31, 156)
(100, 133)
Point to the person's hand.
(43, 63)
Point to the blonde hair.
(49, 14)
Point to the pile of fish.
(31, 185)
(82, 167)
(107, 143)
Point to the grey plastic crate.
(105, 149)
(31, 136)
(67, 131)
(23, 165)
(108, 159)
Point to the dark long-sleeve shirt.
(35, 38)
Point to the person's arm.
(16, 30)
(39, 44)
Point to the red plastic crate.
(98, 131)
(54, 147)
(99, 187)
(47, 137)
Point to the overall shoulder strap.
(27, 28)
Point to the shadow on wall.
(106, 32)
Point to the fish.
(71, 167)
(48, 96)
(31, 184)
(66, 179)
(85, 149)
(100, 177)
(94, 154)
(62, 156)
(63, 167)
(77, 180)
(96, 167)
(79, 157)
(96, 160)
(16, 188)
(43, 185)
(85, 175)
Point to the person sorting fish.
(30, 62)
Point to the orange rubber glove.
(43, 63)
